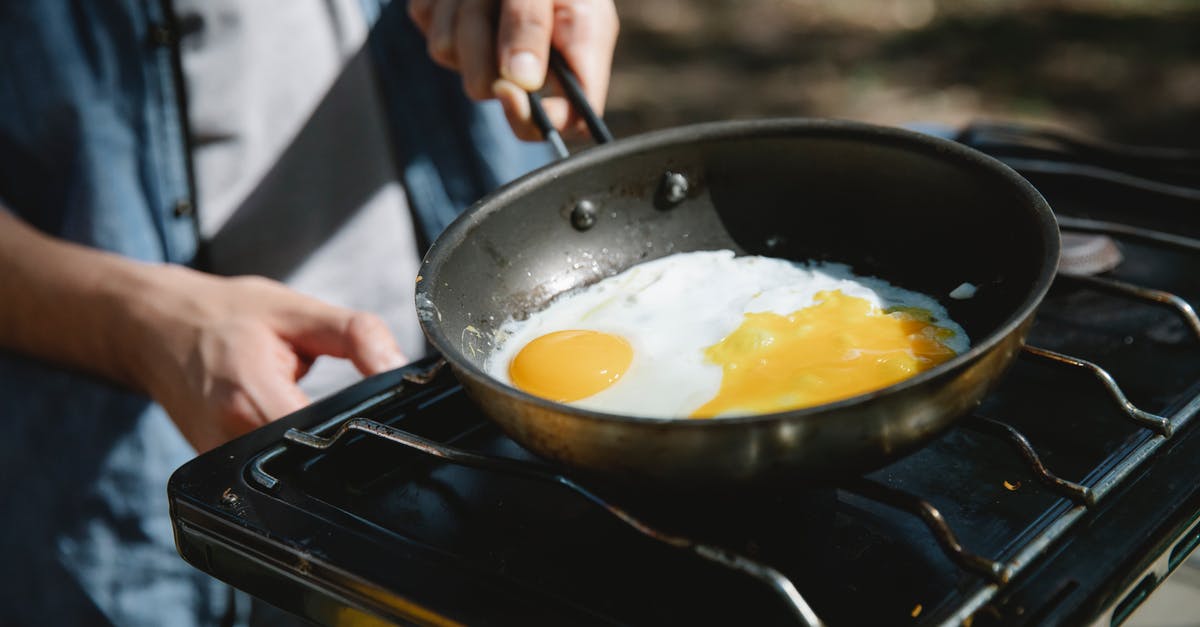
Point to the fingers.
(263, 386)
(510, 40)
(515, 102)
(233, 349)
(585, 32)
(302, 366)
(317, 328)
(523, 52)
(373, 349)
(274, 396)
(421, 12)
(247, 383)
(313, 327)
(463, 35)
(439, 35)
(475, 50)
(523, 41)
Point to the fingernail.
(509, 92)
(525, 69)
(502, 87)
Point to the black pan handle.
(574, 92)
(538, 113)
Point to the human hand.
(223, 355)
(502, 47)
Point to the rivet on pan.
(583, 215)
(674, 188)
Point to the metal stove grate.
(1084, 493)
(1048, 505)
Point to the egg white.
(671, 309)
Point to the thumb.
(523, 42)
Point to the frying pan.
(923, 213)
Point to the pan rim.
(931, 145)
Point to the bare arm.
(222, 355)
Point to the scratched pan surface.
(922, 213)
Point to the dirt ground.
(1123, 69)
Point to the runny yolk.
(566, 366)
(839, 347)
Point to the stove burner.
(1100, 403)
(1084, 254)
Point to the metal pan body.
(923, 213)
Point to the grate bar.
(1085, 170)
(423, 376)
(426, 375)
(964, 614)
(1121, 288)
(1059, 527)
(534, 470)
(929, 514)
(258, 467)
(1154, 422)
(1076, 492)
(1126, 231)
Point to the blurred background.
(1126, 70)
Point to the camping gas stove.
(1065, 498)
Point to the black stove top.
(1064, 498)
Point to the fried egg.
(709, 335)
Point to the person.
(211, 211)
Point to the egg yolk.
(566, 366)
(839, 347)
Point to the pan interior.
(921, 214)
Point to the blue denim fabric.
(93, 149)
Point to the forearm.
(66, 303)
(221, 355)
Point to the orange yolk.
(839, 347)
(566, 366)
